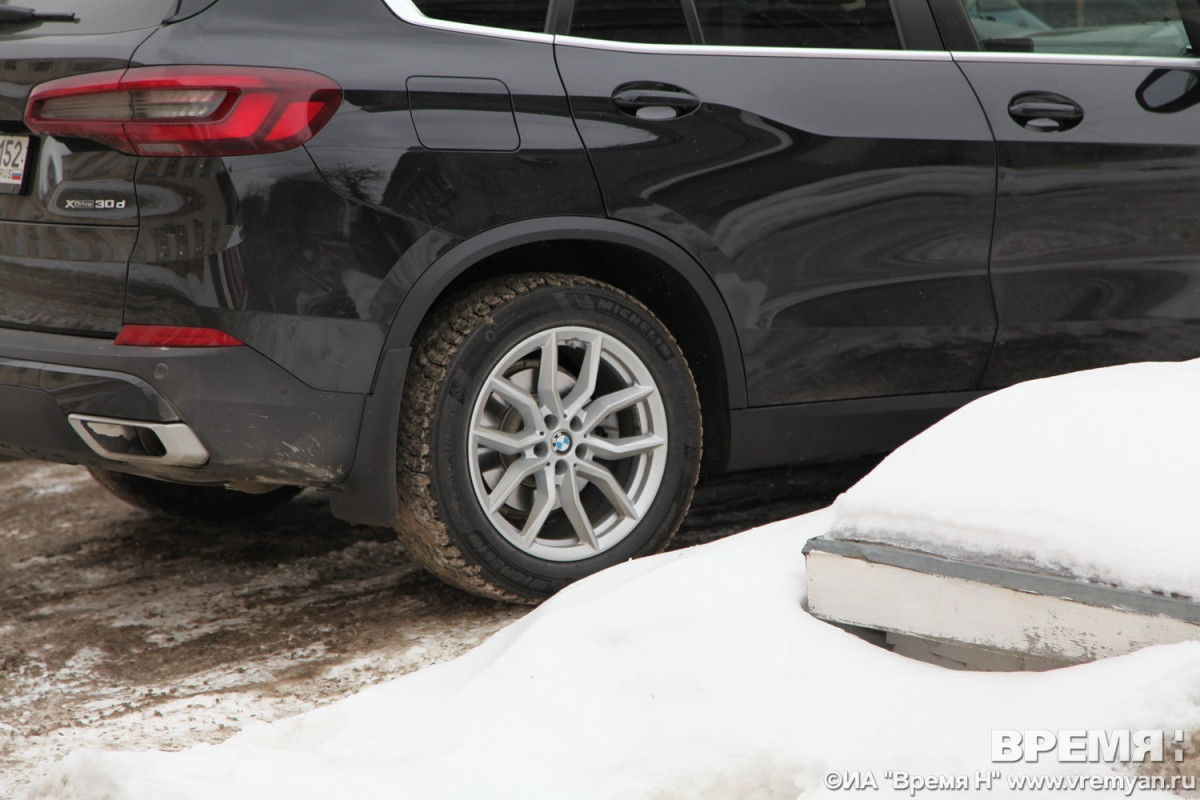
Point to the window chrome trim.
(1164, 62)
(735, 50)
(408, 11)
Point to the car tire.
(190, 501)
(550, 428)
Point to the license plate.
(13, 150)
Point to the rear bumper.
(255, 420)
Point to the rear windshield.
(94, 16)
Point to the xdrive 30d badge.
(510, 275)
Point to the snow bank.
(692, 675)
(1094, 474)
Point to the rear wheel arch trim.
(458, 261)
(368, 495)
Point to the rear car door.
(825, 161)
(68, 210)
(1096, 109)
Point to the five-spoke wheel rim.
(567, 444)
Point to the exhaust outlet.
(168, 443)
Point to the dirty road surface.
(123, 630)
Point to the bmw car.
(510, 276)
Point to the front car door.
(1096, 109)
(824, 160)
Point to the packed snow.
(1094, 475)
(696, 674)
(699, 674)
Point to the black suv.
(508, 275)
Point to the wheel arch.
(501, 250)
(652, 268)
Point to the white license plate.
(12, 162)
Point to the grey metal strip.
(1066, 588)
(989, 57)
(773, 52)
(407, 10)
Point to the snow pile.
(693, 675)
(1094, 474)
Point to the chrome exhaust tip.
(168, 443)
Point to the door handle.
(654, 101)
(1045, 112)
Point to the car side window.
(1082, 27)
(647, 21)
(859, 24)
(517, 15)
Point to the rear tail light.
(174, 336)
(186, 111)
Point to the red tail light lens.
(187, 111)
(174, 336)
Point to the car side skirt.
(791, 434)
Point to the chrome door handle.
(646, 100)
(1045, 112)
